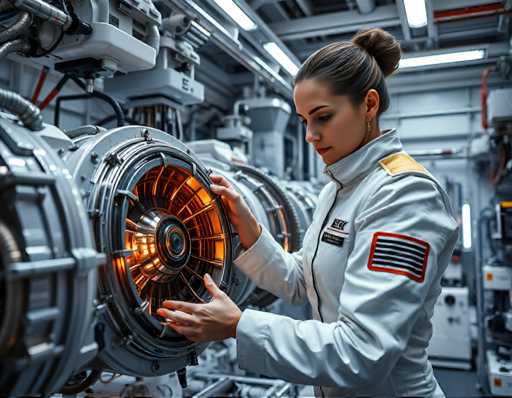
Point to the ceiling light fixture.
(416, 13)
(466, 226)
(459, 56)
(281, 57)
(236, 14)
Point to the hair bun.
(382, 46)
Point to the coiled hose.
(18, 28)
(18, 45)
(28, 113)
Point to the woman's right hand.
(239, 213)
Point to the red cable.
(469, 12)
(484, 93)
(49, 98)
(496, 174)
(40, 83)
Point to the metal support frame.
(400, 6)
(227, 40)
(336, 23)
(431, 27)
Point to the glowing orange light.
(172, 192)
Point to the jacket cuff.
(251, 336)
(258, 254)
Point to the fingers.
(177, 316)
(220, 180)
(221, 186)
(181, 306)
(212, 288)
(229, 193)
(189, 332)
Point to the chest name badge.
(335, 234)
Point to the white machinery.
(235, 131)
(500, 375)
(495, 273)
(86, 39)
(172, 80)
(497, 284)
(450, 345)
(268, 119)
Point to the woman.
(372, 259)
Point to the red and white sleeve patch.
(399, 254)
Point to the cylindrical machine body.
(161, 229)
(48, 267)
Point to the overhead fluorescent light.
(446, 58)
(237, 14)
(416, 13)
(466, 226)
(201, 29)
(280, 56)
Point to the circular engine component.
(48, 267)
(161, 229)
(284, 222)
(241, 287)
(272, 206)
(305, 203)
(282, 216)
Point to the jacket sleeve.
(268, 265)
(377, 309)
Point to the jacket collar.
(365, 159)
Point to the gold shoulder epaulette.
(401, 162)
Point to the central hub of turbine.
(173, 243)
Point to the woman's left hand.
(216, 320)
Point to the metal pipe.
(103, 7)
(28, 113)
(18, 45)
(153, 38)
(219, 388)
(22, 24)
(365, 6)
(45, 11)
(238, 379)
(283, 390)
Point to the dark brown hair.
(354, 67)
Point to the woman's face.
(334, 125)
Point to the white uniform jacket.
(370, 266)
